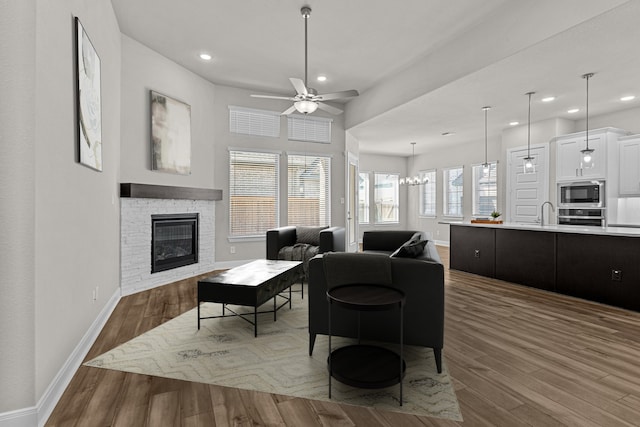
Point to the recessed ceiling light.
(548, 99)
(322, 78)
(628, 98)
(573, 110)
(514, 123)
(447, 133)
(205, 56)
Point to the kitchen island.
(597, 263)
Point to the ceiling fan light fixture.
(306, 107)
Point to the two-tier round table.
(365, 365)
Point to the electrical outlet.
(232, 249)
(476, 253)
(616, 275)
(437, 232)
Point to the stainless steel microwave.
(585, 194)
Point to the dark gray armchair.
(303, 243)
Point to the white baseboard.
(38, 415)
(441, 242)
(26, 417)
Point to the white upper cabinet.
(629, 150)
(569, 164)
(569, 158)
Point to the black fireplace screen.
(174, 241)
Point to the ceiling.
(422, 69)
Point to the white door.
(527, 192)
(352, 203)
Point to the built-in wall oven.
(582, 203)
(583, 217)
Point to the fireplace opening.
(174, 241)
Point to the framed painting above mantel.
(170, 135)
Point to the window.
(386, 194)
(253, 208)
(309, 128)
(428, 193)
(250, 121)
(363, 198)
(453, 191)
(485, 190)
(309, 202)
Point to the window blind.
(253, 192)
(309, 201)
(251, 121)
(309, 128)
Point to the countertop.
(605, 231)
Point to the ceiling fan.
(307, 99)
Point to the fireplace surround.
(138, 203)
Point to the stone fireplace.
(185, 221)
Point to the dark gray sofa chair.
(282, 241)
(420, 278)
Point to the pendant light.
(415, 180)
(485, 165)
(529, 165)
(587, 153)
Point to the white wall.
(144, 70)
(224, 139)
(17, 204)
(61, 217)
(77, 213)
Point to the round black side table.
(361, 365)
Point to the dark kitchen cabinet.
(472, 249)
(526, 257)
(600, 268)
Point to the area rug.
(225, 352)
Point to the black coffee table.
(362, 365)
(251, 285)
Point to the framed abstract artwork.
(170, 135)
(88, 101)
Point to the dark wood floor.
(517, 356)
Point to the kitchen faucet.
(542, 211)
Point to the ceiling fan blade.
(288, 111)
(299, 86)
(288, 98)
(337, 95)
(329, 108)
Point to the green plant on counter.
(495, 214)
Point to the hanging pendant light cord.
(587, 76)
(306, 19)
(529, 126)
(486, 110)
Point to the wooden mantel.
(148, 191)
